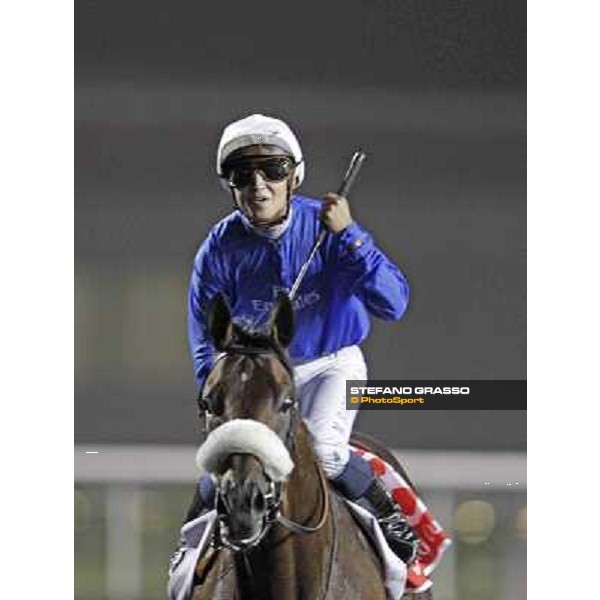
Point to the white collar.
(273, 232)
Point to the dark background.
(433, 91)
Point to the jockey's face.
(262, 178)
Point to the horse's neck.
(304, 496)
(292, 565)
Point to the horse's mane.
(252, 337)
(256, 341)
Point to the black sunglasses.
(241, 173)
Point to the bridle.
(244, 344)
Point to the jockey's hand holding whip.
(335, 214)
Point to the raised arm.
(361, 267)
(369, 274)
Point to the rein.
(303, 529)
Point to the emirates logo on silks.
(301, 301)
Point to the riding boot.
(203, 501)
(398, 533)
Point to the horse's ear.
(219, 322)
(282, 320)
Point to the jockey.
(255, 253)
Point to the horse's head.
(249, 401)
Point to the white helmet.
(259, 129)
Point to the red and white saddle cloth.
(433, 540)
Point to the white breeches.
(321, 387)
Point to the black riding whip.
(351, 173)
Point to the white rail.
(428, 469)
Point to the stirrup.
(400, 536)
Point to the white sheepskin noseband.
(245, 436)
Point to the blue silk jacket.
(348, 278)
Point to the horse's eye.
(287, 403)
(211, 403)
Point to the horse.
(282, 533)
